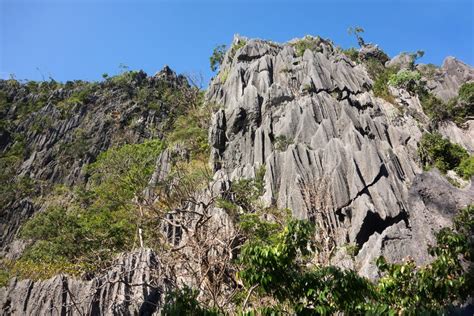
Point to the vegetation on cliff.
(252, 258)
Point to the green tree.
(217, 56)
(356, 31)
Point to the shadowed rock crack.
(382, 173)
(373, 223)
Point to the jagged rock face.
(135, 284)
(402, 61)
(452, 74)
(433, 202)
(333, 152)
(59, 143)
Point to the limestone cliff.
(333, 153)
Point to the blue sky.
(74, 39)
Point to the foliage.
(434, 150)
(184, 302)
(279, 269)
(190, 130)
(357, 31)
(65, 238)
(235, 47)
(127, 79)
(155, 95)
(428, 70)
(352, 53)
(4, 105)
(406, 79)
(121, 173)
(433, 288)
(308, 42)
(76, 147)
(245, 193)
(217, 57)
(12, 187)
(82, 230)
(458, 109)
(282, 142)
(466, 93)
(433, 107)
(80, 96)
(381, 77)
(466, 168)
(36, 96)
(264, 223)
(276, 269)
(40, 270)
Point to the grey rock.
(402, 61)
(462, 136)
(333, 152)
(371, 51)
(453, 73)
(135, 284)
(432, 203)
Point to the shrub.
(246, 192)
(428, 70)
(458, 109)
(190, 130)
(40, 270)
(4, 104)
(434, 150)
(14, 187)
(127, 79)
(4, 276)
(466, 167)
(279, 268)
(223, 75)
(381, 78)
(184, 302)
(308, 42)
(406, 79)
(282, 142)
(466, 93)
(357, 30)
(433, 107)
(352, 53)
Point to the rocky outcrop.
(333, 152)
(432, 202)
(134, 285)
(64, 135)
(401, 61)
(452, 74)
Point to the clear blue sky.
(74, 39)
